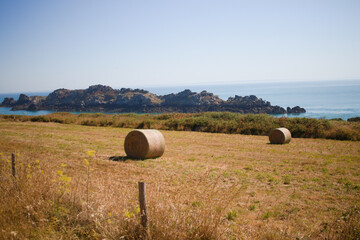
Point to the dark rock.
(8, 102)
(32, 107)
(189, 98)
(59, 96)
(252, 104)
(23, 99)
(137, 99)
(98, 89)
(32, 103)
(296, 110)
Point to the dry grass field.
(74, 182)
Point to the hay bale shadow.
(123, 159)
(119, 158)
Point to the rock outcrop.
(189, 98)
(295, 109)
(8, 102)
(137, 97)
(25, 102)
(101, 98)
(252, 104)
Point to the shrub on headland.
(355, 119)
(215, 122)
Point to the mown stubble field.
(205, 186)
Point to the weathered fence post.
(13, 158)
(142, 200)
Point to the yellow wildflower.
(86, 162)
(129, 214)
(90, 153)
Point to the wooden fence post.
(142, 200)
(13, 158)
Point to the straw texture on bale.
(280, 136)
(143, 144)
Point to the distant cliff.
(99, 98)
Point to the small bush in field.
(231, 215)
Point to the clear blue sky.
(45, 45)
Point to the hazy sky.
(45, 45)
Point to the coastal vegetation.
(74, 182)
(214, 122)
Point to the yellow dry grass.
(205, 186)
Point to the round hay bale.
(143, 144)
(280, 136)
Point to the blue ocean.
(322, 99)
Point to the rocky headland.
(100, 98)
